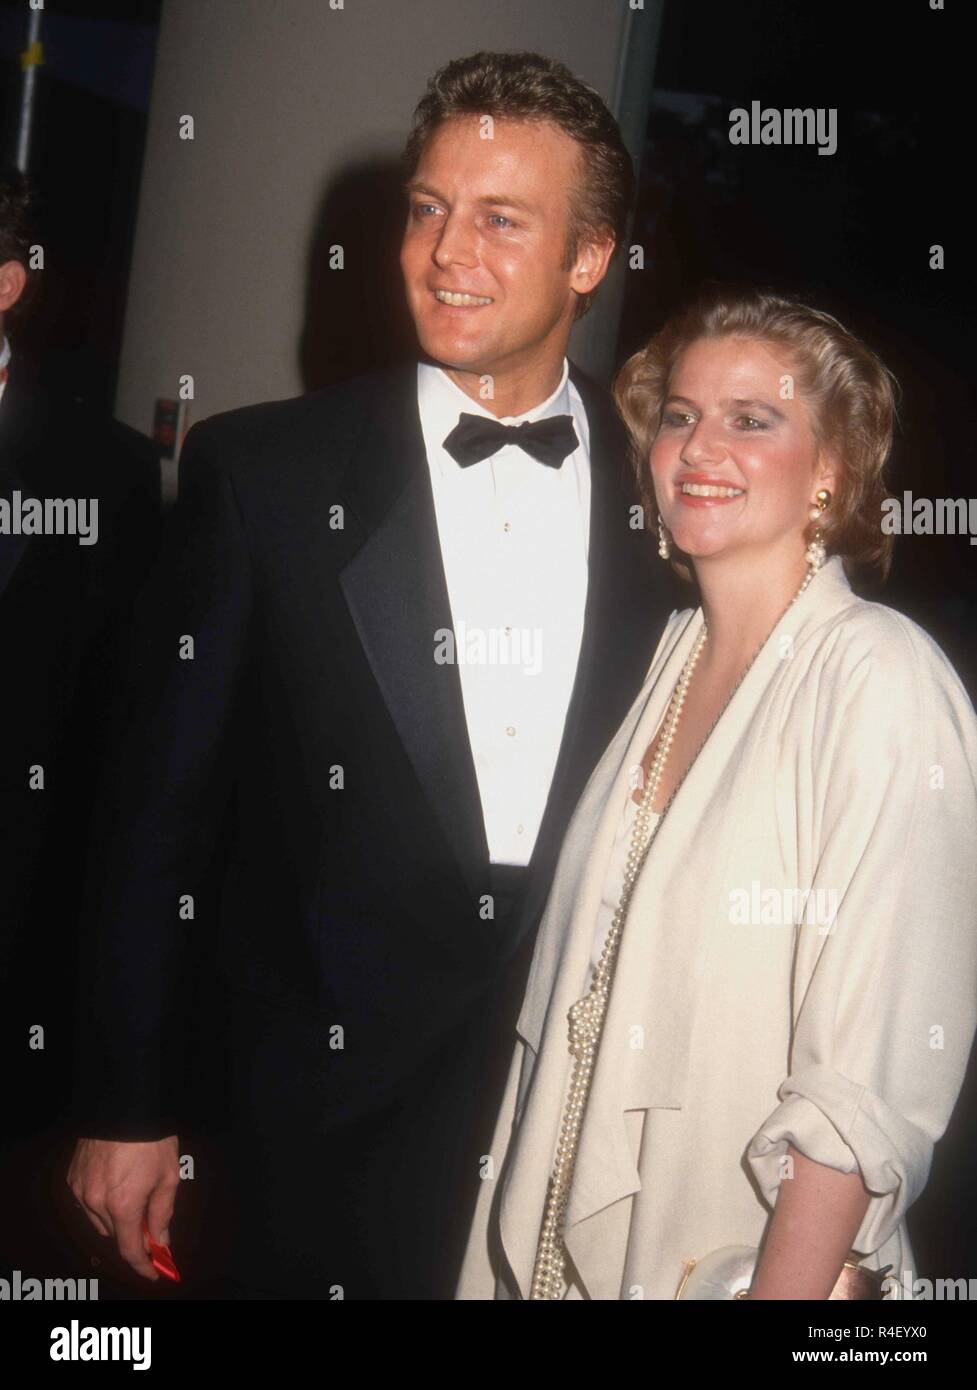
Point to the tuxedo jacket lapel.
(397, 595)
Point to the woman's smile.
(707, 492)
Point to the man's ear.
(590, 265)
(13, 278)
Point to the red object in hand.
(161, 1257)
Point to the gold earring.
(822, 497)
(816, 552)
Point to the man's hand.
(118, 1183)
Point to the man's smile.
(454, 300)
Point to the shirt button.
(507, 526)
(511, 731)
(519, 829)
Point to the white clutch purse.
(728, 1273)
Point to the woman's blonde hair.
(850, 392)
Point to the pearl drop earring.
(664, 546)
(816, 551)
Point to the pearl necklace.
(586, 1017)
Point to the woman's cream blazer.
(799, 963)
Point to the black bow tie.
(475, 437)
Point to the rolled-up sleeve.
(884, 1004)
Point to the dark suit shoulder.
(584, 381)
(598, 402)
(321, 426)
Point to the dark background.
(850, 232)
(86, 160)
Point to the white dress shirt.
(514, 539)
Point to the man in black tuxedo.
(64, 599)
(325, 674)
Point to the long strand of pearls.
(586, 1017)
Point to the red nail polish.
(162, 1257)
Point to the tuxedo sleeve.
(162, 793)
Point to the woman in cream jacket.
(794, 996)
